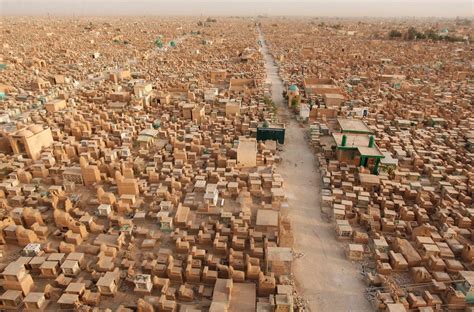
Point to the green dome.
(293, 88)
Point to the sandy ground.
(324, 277)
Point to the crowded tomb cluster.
(140, 162)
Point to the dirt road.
(323, 275)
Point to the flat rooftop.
(243, 297)
(359, 142)
(267, 217)
(353, 125)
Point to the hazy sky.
(356, 8)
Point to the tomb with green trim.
(355, 145)
(465, 285)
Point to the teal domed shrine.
(293, 96)
(293, 88)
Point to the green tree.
(420, 35)
(394, 34)
(267, 101)
(294, 102)
(411, 33)
(431, 34)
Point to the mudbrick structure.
(234, 164)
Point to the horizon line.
(263, 15)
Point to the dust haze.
(342, 8)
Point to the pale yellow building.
(247, 152)
(55, 105)
(30, 141)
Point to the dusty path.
(323, 275)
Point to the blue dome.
(293, 88)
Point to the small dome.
(293, 88)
